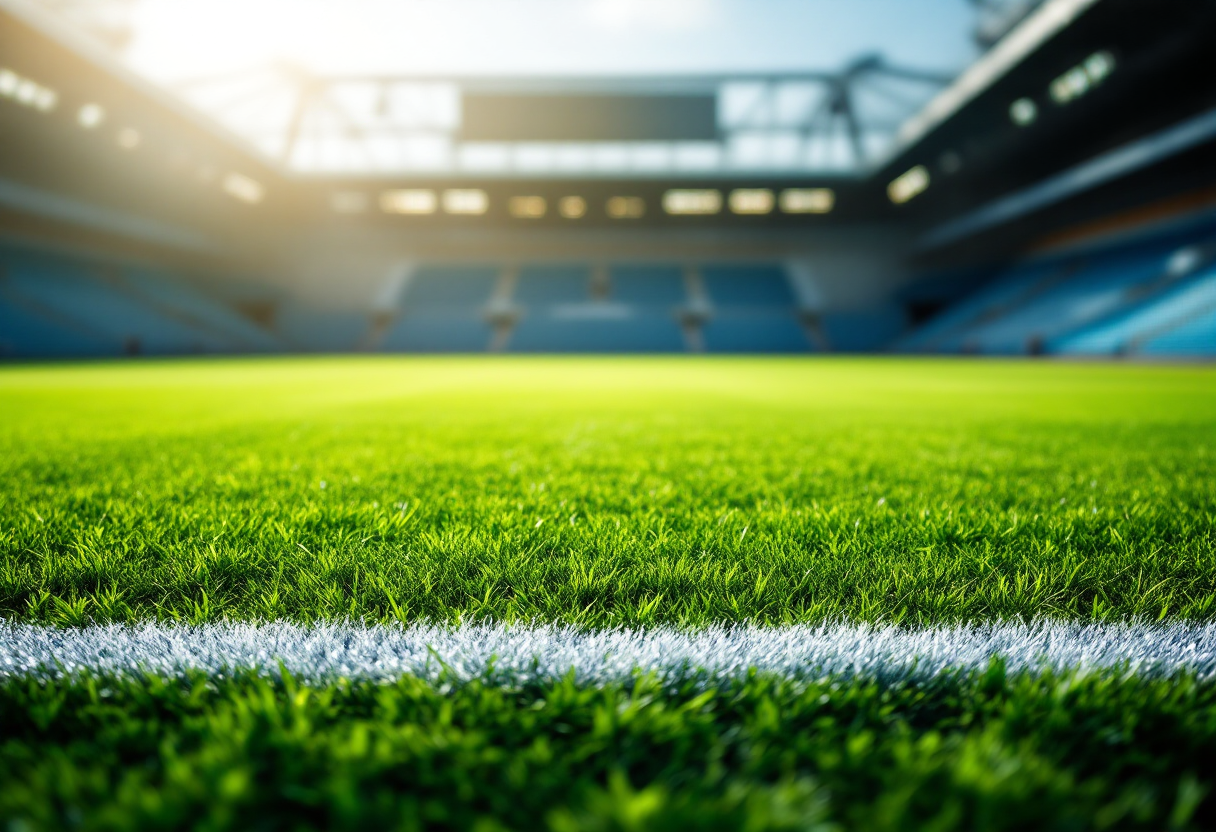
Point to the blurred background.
(1012, 177)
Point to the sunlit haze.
(175, 39)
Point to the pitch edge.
(526, 653)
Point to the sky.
(181, 39)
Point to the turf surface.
(605, 492)
(600, 493)
(984, 752)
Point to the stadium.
(603, 415)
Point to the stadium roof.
(676, 87)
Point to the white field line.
(522, 653)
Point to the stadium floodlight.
(692, 201)
(26, 91)
(129, 138)
(807, 200)
(45, 99)
(90, 116)
(1099, 65)
(1023, 112)
(527, 207)
(466, 201)
(348, 202)
(1082, 78)
(239, 186)
(751, 201)
(908, 185)
(625, 207)
(572, 207)
(410, 201)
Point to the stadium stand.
(611, 329)
(26, 333)
(94, 308)
(1074, 293)
(660, 286)
(748, 286)
(309, 329)
(541, 285)
(862, 330)
(1177, 322)
(451, 287)
(754, 310)
(561, 310)
(1113, 297)
(444, 311)
(1078, 223)
(437, 333)
(739, 331)
(179, 300)
(1195, 337)
(556, 308)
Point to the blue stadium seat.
(26, 334)
(432, 332)
(450, 287)
(775, 332)
(553, 284)
(759, 285)
(863, 329)
(80, 295)
(1143, 323)
(1036, 306)
(1094, 290)
(647, 285)
(187, 303)
(948, 330)
(315, 330)
(638, 331)
(1195, 337)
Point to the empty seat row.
(1175, 321)
(58, 305)
(451, 287)
(1091, 302)
(639, 331)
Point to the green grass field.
(606, 492)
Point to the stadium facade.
(1055, 198)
